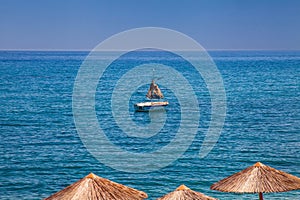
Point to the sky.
(215, 24)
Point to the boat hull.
(150, 106)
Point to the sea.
(42, 148)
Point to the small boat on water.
(154, 102)
(148, 106)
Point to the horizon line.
(89, 50)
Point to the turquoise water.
(41, 152)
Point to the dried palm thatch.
(93, 187)
(185, 193)
(258, 178)
(154, 92)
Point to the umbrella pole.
(261, 196)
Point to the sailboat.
(155, 97)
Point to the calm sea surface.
(41, 151)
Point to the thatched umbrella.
(258, 178)
(93, 187)
(185, 193)
(154, 92)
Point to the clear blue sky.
(215, 24)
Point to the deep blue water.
(41, 151)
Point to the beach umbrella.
(185, 193)
(93, 187)
(260, 179)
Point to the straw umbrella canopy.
(185, 193)
(93, 187)
(258, 178)
(154, 92)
